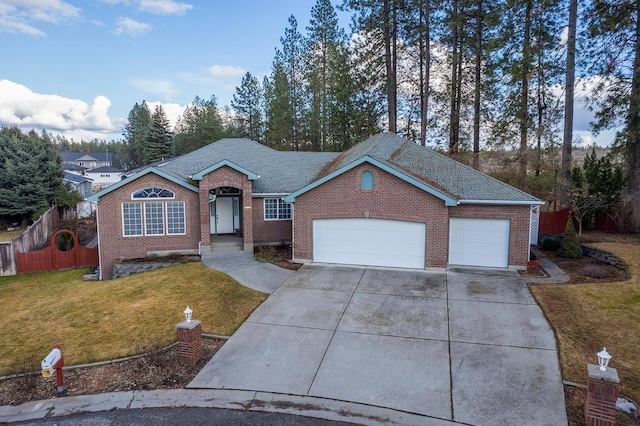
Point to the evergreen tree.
(158, 138)
(613, 53)
(570, 247)
(134, 132)
(376, 21)
(324, 40)
(30, 173)
(199, 125)
(292, 61)
(247, 103)
(279, 114)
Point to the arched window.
(153, 193)
(366, 181)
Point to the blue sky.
(77, 67)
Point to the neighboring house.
(87, 160)
(385, 202)
(104, 176)
(81, 184)
(74, 168)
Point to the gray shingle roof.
(285, 171)
(279, 171)
(437, 170)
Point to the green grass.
(588, 317)
(94, 321)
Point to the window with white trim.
(153, 218)
(175, 218)
(276, 209)
(159, 217)
(132, 219)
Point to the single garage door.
(372, 242)
(479, 242)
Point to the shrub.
(570, 247)
(594, 271)
(551, 244)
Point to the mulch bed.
(155, 371)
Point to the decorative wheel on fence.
(64, 241)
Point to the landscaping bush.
(570, 247)
(594, 271)
(551, 244)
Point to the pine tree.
(279, 132)
(292, 63)
(247, 103)
(158, 138)
(199, 125)
(134, 132)
(613, 52)
(324, 40)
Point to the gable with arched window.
(160, 217)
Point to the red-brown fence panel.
(63, 252)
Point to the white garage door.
(372, 242)
(479, 242)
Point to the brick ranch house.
(385, 202)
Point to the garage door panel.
(479, 242)
(371, 242)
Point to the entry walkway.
(468, 346)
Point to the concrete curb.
(218, 398)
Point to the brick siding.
(392, 198)
(114, 245)
(269, 231)
(226, 176)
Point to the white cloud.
(173, 111)
(131, 27)
(17, 16)
(22, 107)
(161, 88)
(226, 71)
(164, 7)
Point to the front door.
(224, 215)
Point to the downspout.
(99, 245)
(293, 234)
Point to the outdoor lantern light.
(603, 359)
(187, 314)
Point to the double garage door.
(395, 243)
(371, 242)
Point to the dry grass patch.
(587, 317)
(94, 321)
(9, 235)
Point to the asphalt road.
(183, 416)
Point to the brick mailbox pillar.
(602, 393)
(189, 342)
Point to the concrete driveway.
(464, 346)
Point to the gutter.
(503, 202)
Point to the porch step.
(221, 247)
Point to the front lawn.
(588, 317)
(102, 320)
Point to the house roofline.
(202, 173)
(448, 200)
(95, 197)
(504, 202)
